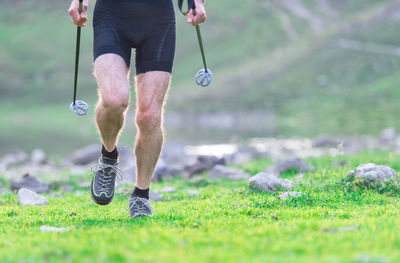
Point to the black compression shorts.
(146, 25)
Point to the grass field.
(226, 222)
(257, 67)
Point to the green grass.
(227, 222)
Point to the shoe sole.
(96, 201)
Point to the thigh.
(151, 89)
(112, 76)
(108, 29)
(156, 50)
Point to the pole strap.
(190, 5)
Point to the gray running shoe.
(139, 207)
(103, 180)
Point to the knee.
(148, 121)
(115, 103)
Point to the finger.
(190, 16)
(74, 15)
(84, 11)
(199, 18)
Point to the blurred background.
(282, 68)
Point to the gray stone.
(203, 164)
(244, 154)
(155, 197)
(160, 171)
(295, 164)
(325, 141)
(287, 195)
(221, 171)
(38, 156)
(168, 189)
(67, 188)
(127, 165)
(174, 153)
(84, 183)
(128, 175)
(52, 229)
(341, 163)
(175, 171)
(13, 159)
(29, 197)
(388, 136)
(193, 192)
(239, 157)
(86, 155)
(31, 183)
(374, 173)
(269, 182)
(78, 170)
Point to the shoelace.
(106, 179)
(139, 209)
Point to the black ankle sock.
(111, 155)
(141, 193)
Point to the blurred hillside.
(308, 66)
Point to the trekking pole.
(204, 76)
(78, 107)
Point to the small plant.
(352, 184)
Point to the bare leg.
(151, 91)
(113, 89)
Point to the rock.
(296, 164)
(128, 175)
(174, 153)
(38, 156)
(340, 163)
(221, 171)
(52, 229)
(287, 195)
(388, 136)
(78, 170)
(85, 155)
(204, 163)
(13, 159)
(29, 197)
(374, 173)
(193, 192)
(84, 184)
(168, 189)
(269, 182)
(155, 197)
(175, 171)
(244, 154)
(67, 188)
(325, 141)
(127, 165)
(239, 157)
(160, 171)
(31, 183)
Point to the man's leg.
(113, 88)
(151, 88)
(111, 74)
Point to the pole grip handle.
(80, 6)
